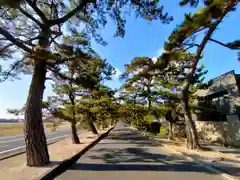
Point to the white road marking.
(2, 142)
(20, 147)
(9, 150)
(4, 145)
(7, 137)
(59, 137)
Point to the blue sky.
(142, 39)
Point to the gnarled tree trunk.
(75, 138)
(91, 125)
(191, 132)
(35, 139)
(149, 95)
(170, 130)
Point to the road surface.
(126, 155)
(13, 144)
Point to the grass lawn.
(12, 129)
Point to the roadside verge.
(202, 163)
(224, 165)
(15, 167)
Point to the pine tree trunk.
(149, 104)
(189, 137)
(92, 127)
(192, 137)
(75, 138)
(149, 95)
(35, 139)
(170, 129)
(112, 121)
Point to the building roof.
(212, 89)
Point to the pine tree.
(78, 79)
(35, 28)
(161, 80)
(140, 80)
(16, 112)
(99, 108)
(207, 19)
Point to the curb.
(65, 164)
(234, 156)
(22, 151)
(207, 166)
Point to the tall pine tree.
(35, 29)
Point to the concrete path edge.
(207, 166)
(221, 173)
(235, 156)
(65, 164)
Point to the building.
(222, 95)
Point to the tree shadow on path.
(126, 150)
(183, 167)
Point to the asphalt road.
(10, 144)
(126, 155)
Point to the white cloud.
(114, 82)
(160, 51)
(117, 74)
(154, 59)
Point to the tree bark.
(184, 100)
(75, 138)
(188, 136)
(35, 139)
(149, 104)
(170, 129)
(149, 95)
(192, 137)
(91, 125)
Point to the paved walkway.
(126, 155)
(226, 163)
(232, 151)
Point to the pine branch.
(81, 5)
(33, 5)
(29, 42)
(2, 51)
(200, 49)
(190, 46)
(19, 43)
(34, 1)
(227, 45)
(49, 78)
(163, 17)
(30, 16)
(9, 72)
(59, 74)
